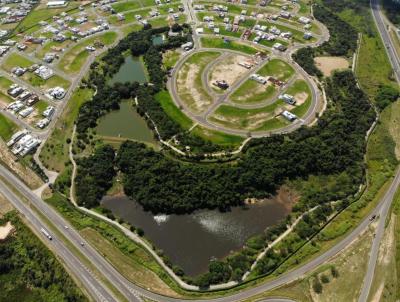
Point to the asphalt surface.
(394, 59)
(390, 49)
(96, 290)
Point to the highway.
(94, 287)
(373, 257)
(390, 49)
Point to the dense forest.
(392, 10)
(30, 272)
(343, 37)
(95, 176)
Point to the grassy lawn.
(131, 28)
(170, 57)
(233, 45)
(55, 151)
(42, 14)
(164, 98)
(41, 106)
(251, 92)
(300, 87)
(217, 137)
(47, 47)
(278, 69)
(75, 58)
(127, 5)
(5, 83)
(14, 60)
(54, 81)
(7, 128)
(129, 17)
(370, 73)
(189, 84)
(249, 119)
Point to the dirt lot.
(6, 230)
(190, 92)
(300, 98)
(26, 174)
(329, 64)
(228, 70)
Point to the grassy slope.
(7, 128)
(217, 137)
(55, 151)
(75, 57)
(219, 43)
(164, 98)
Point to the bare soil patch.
(300, 98)
(328, 64)
(6, 230)
(228, 70)
(26, 174)
(189, 90)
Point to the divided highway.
(395, 61)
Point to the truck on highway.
(46, 233)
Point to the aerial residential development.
(206, 150)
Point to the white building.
(289, 116)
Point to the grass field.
(189, 83)
(43, 14)
(75, 58)
(249, 119)
(164, 98)
(251, 92)
(47, 47)
(232, 45)
(14, 60)
(7, 128)
(370, 73)
(170, 57)
(132, 265)
(299, 88)
(278, 69)
(217, 137)
(54, 153)
(127, 5)
(54, 81)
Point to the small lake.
(190, 241)
(125, 123)
(132, 70)
(158, 39)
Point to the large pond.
(125, 123)
(190, 241)
(132, 70)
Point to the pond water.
(157, 39)
(125, 123)
(191, 240)
(132, 70)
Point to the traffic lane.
(80, 271)
(129, 290)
